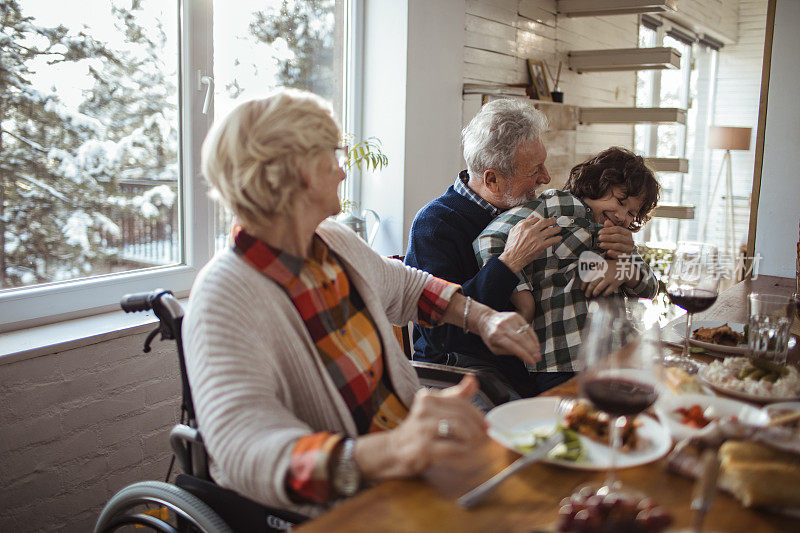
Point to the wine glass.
(693, 284)
(619, 357)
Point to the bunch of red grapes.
(586, 511)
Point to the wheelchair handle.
(139, 301)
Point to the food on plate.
(694, 416)
(758, 369)
(570, 449)
(722, 335)
(737, 374)
(681, 382)
(759, 475)
(758, 465)
(588, 511)
(592, 423)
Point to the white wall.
(412, 88)
(779, 201)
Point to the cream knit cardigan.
(257, 381)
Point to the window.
(264, 45)
(101, 123)
(690, 87)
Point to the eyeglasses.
(342, 154)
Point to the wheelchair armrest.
(187, 445)
(444, 375)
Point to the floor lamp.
(726, 138)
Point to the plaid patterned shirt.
(561, 305)
(347, 342)
(461, 187)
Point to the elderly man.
(505, 164)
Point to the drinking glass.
(768, 328)
(619, 358)
(693, 284)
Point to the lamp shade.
(729, 137)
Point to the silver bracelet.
(466, 313)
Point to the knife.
(476, 495)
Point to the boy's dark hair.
(616, 167)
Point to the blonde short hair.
(253, 157)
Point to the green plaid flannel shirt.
(561, 306)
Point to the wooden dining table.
(529, 501)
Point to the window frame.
(26, 307)
(353, 89)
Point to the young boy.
(605, 199)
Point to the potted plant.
(362, 155)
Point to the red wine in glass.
(691, 299)
(619, 396)
(692, 283)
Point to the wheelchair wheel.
(188, 513)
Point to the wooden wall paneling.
(560, 155)
(499, 13)
(718, 18)
(488, 42)
(509, 5)
(481, 73)
(594, 33)
(489, 27)
(536, 46)
(491, 59)
(538, 10)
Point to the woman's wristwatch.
(346, 476)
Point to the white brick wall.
(78, 426)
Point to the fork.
(476, 495)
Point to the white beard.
(511, 201)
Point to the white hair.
(491, 138)
(253, 157)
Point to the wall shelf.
(667, 164)
(495, 89)
(680, 212)
(624, 59)
(592, 8)
(632, 115)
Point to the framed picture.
(539, 80)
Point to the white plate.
(780, 407)
(679, 328)
(522, 416)
(743, 395)
(722, 408)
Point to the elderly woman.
(303, 393)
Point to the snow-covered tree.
(60, 166)
(304, 30)
(39, 192)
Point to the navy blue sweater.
(441, 243)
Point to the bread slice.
(760, 476)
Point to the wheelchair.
(194, 502)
